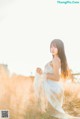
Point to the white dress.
(50, 92)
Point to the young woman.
(47, 85)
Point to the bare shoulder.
(56, 62)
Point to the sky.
(28, 26)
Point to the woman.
(48, 88)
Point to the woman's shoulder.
(56, 60)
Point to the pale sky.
(28, 26)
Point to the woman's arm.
(52, 77)
(55, 76)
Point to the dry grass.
(17, 96)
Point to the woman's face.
(54, 50)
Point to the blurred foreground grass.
(17, 96)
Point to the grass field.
(17, 96)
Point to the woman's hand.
(39, 70)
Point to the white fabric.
(49, 91)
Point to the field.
(17, 96)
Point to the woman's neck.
(57, 57)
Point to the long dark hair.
(61, 53)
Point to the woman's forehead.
(53, 44)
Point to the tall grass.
(17, 96)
